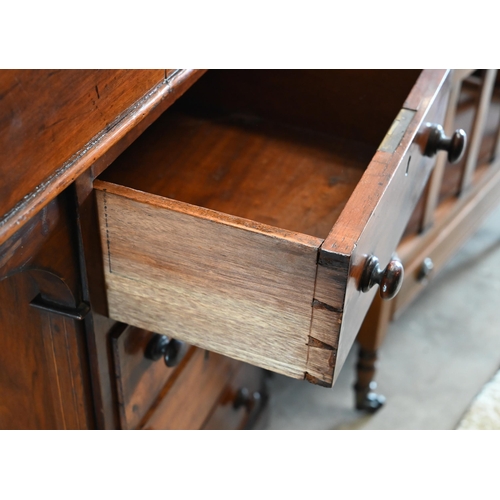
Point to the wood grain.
(60, 128)
(47, 116)
(229, 162)
(245, 166)
(432, 196)
(44, 379)
(339, 103)
(215, 281)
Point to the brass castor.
(367, 400)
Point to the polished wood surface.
(101, 327)
(54, 127)
(356, 104)
(59, 372)
(44, 380)
(455, 223)
(41, 125)
(446, 215)
(252, 169)
(478, 127)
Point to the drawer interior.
(282, 148)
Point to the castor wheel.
(367, 400)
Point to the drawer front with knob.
(200, 244)
(193, 394)
(241, 402)
(141, 371)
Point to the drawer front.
(139, 379)
(193, 394)
(241, 402)
(447, 237)
(374, 220)
(253, 292)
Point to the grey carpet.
(435, 359)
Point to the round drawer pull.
(171, 350)
(389, 279)
(425, 269)
(437, 140)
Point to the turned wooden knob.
(437, 141)
(389, 279)
(172, 350)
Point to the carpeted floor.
(435, 359)
(484, 412)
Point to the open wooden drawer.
(242, 220)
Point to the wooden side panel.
(375, 217)
(225, 284)
(44, 379)
(41, 377)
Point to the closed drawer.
(140, 380)
(241, 402)
(241, 222)
(193, 394)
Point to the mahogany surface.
(44, 380)
(44, 119)
(450, 185)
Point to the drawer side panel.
(228, 289)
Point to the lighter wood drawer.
(242, 220)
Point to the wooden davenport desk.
(166, 236)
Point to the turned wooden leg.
(369, 339)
